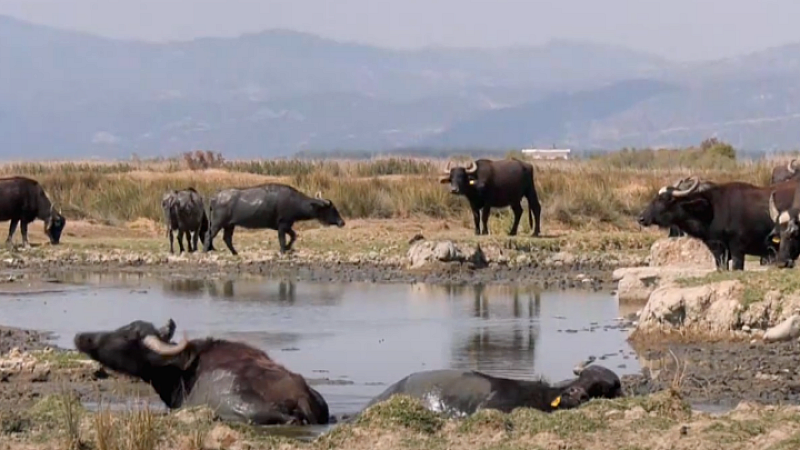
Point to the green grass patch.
(756, 283)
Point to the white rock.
(784, 331)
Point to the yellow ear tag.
(776, 240)
(556, 402)
(471, 182)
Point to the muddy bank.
(721, 373)
(590, 274)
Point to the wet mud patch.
(721, 374)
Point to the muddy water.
(351, 340)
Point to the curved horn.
(447, 168)
(472, 168)
(790, 167)
(162, 348)
(773, 210)
(318, 195)
(685, 192)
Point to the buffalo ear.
(444, 180)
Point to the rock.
(746, 329)
(425, 252)
(682, 251)
(638, 283)
(523, 260)
(787, 330)
(713, 308)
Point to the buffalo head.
(786, 233)
(673, 205)
(325, 211)
(461, 179)
(136, 349)
(54, 225)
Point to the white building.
(547, 153)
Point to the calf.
(184, 211)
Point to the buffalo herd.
(733, 219)
(242, 383)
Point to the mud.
(596, 277)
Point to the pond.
(350, 340)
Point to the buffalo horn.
(790, 167)
(318, 195)
(447, 168)
(685, 192)
(472, 168)
(773, 210)
(162, 348)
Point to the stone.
(682, 251)
(787, 330)
(711, 308)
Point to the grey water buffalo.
(784, 172)
(786, 230)
(273, 206)
(496, 184)
(184, 211)
(23, 200)
(732, 219)
(463, 392)
(238, 382)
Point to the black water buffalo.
(272, 205)
(238, 382)
(683, 183)
(23, 200)
(496, 184)
(463, 392)
(184, 211)
(732, 219)
(783, 173)
(786, 231)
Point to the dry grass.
(606, 192)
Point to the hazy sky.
(679, 29)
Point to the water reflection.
(283, 291)
(505, 338)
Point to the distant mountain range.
(65, 94)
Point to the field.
(601, 193)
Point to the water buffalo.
(239, 382)
(783, 173)
(496, 184)
(786, 231)
(732, 219)
(272, 205)
(463, 392)
(23, 200)
(184, 211)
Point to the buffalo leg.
(738, 259)
(23, 228)
(283, 230)
(11, 230)
(476, 217)
(195, 238)
(536, 207)
(209, 238)
(181, 234)
(171, 241)
(485, 218)
(227, 236)
(517, 209)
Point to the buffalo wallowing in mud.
(237, 381)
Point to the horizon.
(683, 33)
